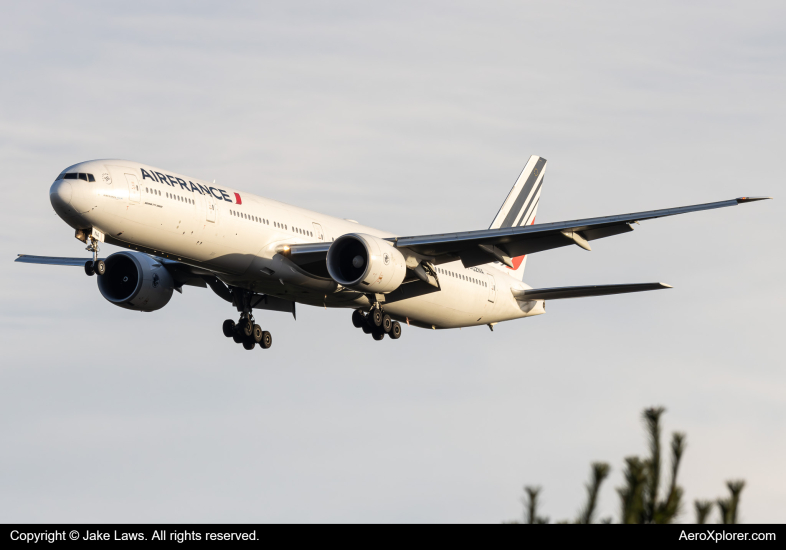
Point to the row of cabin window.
(267, 222)
(172, 196)
(249, 217)
(462, 277)
(77, 176)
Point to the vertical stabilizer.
(521, 205)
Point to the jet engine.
(135, 281)
(366, 263)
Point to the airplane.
(261, 254)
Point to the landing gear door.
(210, 205)
(318, 231)
(492, 288)
(134, 192)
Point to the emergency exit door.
(210, 206)
(134, 192)
(492, 288)
(318, 231)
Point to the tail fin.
(521, 205)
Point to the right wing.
(53, 260)
(582, 291)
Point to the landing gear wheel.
(387, 323)
(395, 331)
(376, 317)
(247, 327)
(89, 268)
(256, 335)
(99, 267)
(228, 328)
(249, 344)
(238, 338)
(367, 328)
(358, 319)
(267, 340)
(378, 335)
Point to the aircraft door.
(492, 288)
(134, 192)
(318, 231)
(210, 205)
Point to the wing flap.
(560, 293)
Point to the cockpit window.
(77, 175)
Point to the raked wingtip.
(741, 200)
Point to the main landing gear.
(246, 332)
(377, 323)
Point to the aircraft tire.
(367, 328)
(99, 267)
(378, 335)
(238, 338)
(376, 317)
(267, 340)
(257, 334)
(358, 319)
(89, 268)
(249, 344)
(228, 328)
(387, 323)
(395, 331)
(247, 327)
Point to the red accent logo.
(516, 262)
(237, 198)
(518, 259)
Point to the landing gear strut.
(377, 323)
(94, 266)
(246, 331)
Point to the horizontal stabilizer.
(582, 291)
(53, 260)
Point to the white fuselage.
(235, 236)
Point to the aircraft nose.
(60, 194)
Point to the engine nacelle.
(366, 263)
(135, 281)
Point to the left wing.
(503, 244)
(479, 247)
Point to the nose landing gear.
(377, 323)
(94, 266)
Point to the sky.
(416, 118)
